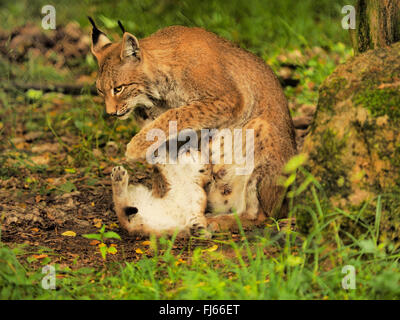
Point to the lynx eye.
(118, 89)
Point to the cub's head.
(122, 79)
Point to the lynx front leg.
(195, 116)
(228, 222)
(221, 222)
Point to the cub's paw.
(119, 175)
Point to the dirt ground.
(40, 222)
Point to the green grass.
(293, 273)
(275, 264)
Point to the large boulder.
(354, 143)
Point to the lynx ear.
(99, 40)
(130, 47)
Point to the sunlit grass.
(276, 264)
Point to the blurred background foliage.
(258, 25)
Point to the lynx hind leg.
(272, 199)
(272, 150)
(119, 180)
(252, 202)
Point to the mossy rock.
(354, 143)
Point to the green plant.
(101, 236)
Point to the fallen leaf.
(210, 249)
(40, 256)
(20, 145)
(33, 135)
(121, 128)
(389, 85)
(94, 242)
(139, 251)
(180, 261)
(46, 147)
(98, 222)
(69, 234)
(41, 160)
(146, 243)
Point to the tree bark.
(378, 24)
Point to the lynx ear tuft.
(121, 26)
(99, 39)
(130, 47)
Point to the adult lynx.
(200, 80)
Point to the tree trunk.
(378, 24)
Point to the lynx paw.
(213, 227)
(137, 147)
(200, 231)
(119, 174)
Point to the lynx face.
(122, 97)
(122, 80)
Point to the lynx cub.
(182, 207)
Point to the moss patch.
(328, 157)
(380, 101)
(328, 93)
